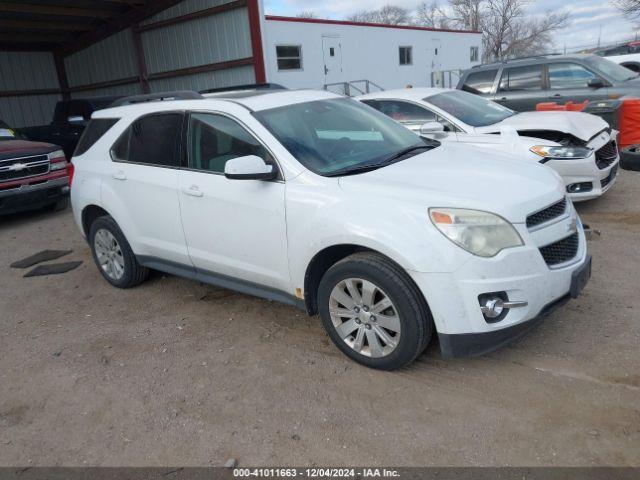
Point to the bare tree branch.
(307, 14)
(389, 14)
(629, 8)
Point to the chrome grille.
(547, 214)
(561, 251)
(24, 167)
(606, 155)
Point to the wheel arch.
(329, 256)
(89, 214)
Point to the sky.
(590, 19)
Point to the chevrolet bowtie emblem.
(17, 167)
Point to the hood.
(464, 176)
(24, 148)
(581, 125)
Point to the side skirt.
(219, 280)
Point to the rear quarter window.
(479, 82)
(94, 132)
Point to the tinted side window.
(94, 132)
(480, 82)
(404, 111)
(154, 140)
(569, 75)
(214, 140)
(521, 78)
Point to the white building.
(303, 53)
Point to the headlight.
(561, 153)
(481, 233)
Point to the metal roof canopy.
(67, 26)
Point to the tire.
(60, 205)
(408, 312)
(630, 158)
(124, 271)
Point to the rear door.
(521, 87)
(141, 186)
(569, 81)
(234, 228)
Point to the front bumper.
(586, 171)
(33, 196)
(520, 273)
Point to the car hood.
(463, 176)
(581, 125)
(24, 148)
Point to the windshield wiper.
(367, 167)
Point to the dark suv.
(521, 84)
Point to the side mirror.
(431, 127)
(250, 167)
(75, 120)
(596, 83)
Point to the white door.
(436, 63)
(141, 187)
(332, 55)
(234, 228)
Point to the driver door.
(233, 228)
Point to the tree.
(629, 8)
(307, 14)
(507, 31)
(431, 15)
(389, 14)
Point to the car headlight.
(481, 233)
(561, 153)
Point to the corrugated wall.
(110, 59)
(111, 67)
(201, 41)
(20, 71)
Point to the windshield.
(470, 109)
(610, 69)
(6, 133)
(335, 136)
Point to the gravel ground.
(178, 373)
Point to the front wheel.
(373, 312)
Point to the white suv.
(319, 201)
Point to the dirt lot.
(178, 373)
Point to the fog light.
(580, 187)
(495, 306)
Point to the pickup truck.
(69, 120)
(32, 174)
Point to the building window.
(475, 54)
(289, 57)
(406, 57)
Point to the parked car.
(32, 174)
(316, 200)
(580, 147)
(626, 54)
(69, 120)
(523, 83)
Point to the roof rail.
(160, 96)
(248, 86)
(515, 59)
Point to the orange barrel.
(576, 107)
(630, 123)
(550, 107)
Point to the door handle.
(192, 191)
(502, 99)
(557, 95)
(119, 175)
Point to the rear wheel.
(113, 255)
(373, 312)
